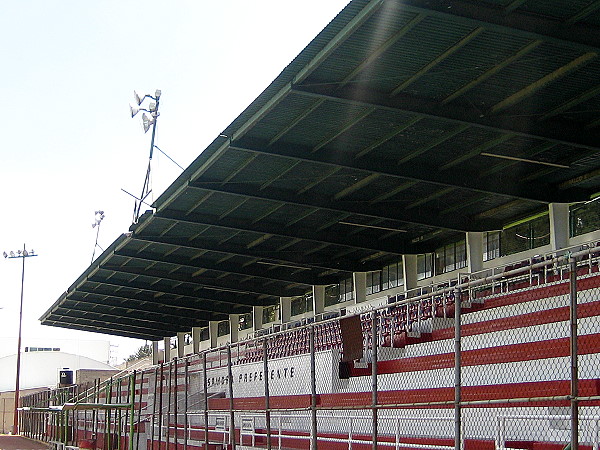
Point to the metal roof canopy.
(400, 126)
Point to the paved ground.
(19, 443)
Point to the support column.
(474, 242)
(167, 352)
(285, 308)
(234, 327)
(154, 353)
(213, 328)
(196, 332)
(359, 286)
(318, 299)
(409, 270)
(257, 317)
(559, 225)
(180, 345)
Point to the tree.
(142, 352)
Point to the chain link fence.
(501, 359)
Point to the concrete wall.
(7, 407)
(83, 376)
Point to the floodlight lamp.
(137, 98)
(152, 107)
(25, 253)
(133, 110)
(12, 254)
(157, 94)
(5, 254)
(147, 122)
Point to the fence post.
(160, 406)
(574, 365)
(267, 393)
(457, 371)
(139, 416)
(205, 387)
(374, 344)
(131, 399)
(313, 390)
(154, 403)
(231, 404)
(169, 389)
(186, 384)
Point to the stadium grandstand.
(396, 245)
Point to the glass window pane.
(461, 254)
(440, 261)
(449, 265)
(385, 283)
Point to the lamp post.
(11, 255)
(147, 121)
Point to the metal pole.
(267, 393)
(231, 405)
(160, 406)
(109, 414)
(574, 351)
(146, 188)
(176, 432)
(131, 398)
(457, 371)
(119, 414)
(185, 415)
(168, 421)
(139, 416)
(154, 403)
(95, 414)
(16, 413)
(374, 345)
(205, 387)
(313, 390)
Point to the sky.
(68, 145)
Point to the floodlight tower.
(11, 255)
(98, 218)
(147, 121)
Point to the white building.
(41, 368)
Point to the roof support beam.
(590, 93)
(552, 130)
(229, 268)
(106, 319)
(98, 326)
(364, 209)
(121, 331)
(439, 59)
(273, 257)
(528, 91)
(212, 287)
(582, 14)
(194, 293)
(364, 243)
(580, 36)
(420, 172)
(176, 306)
(90, 310)
(147, 294)
(159, 312)
(494, 70)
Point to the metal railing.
(439, 369)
